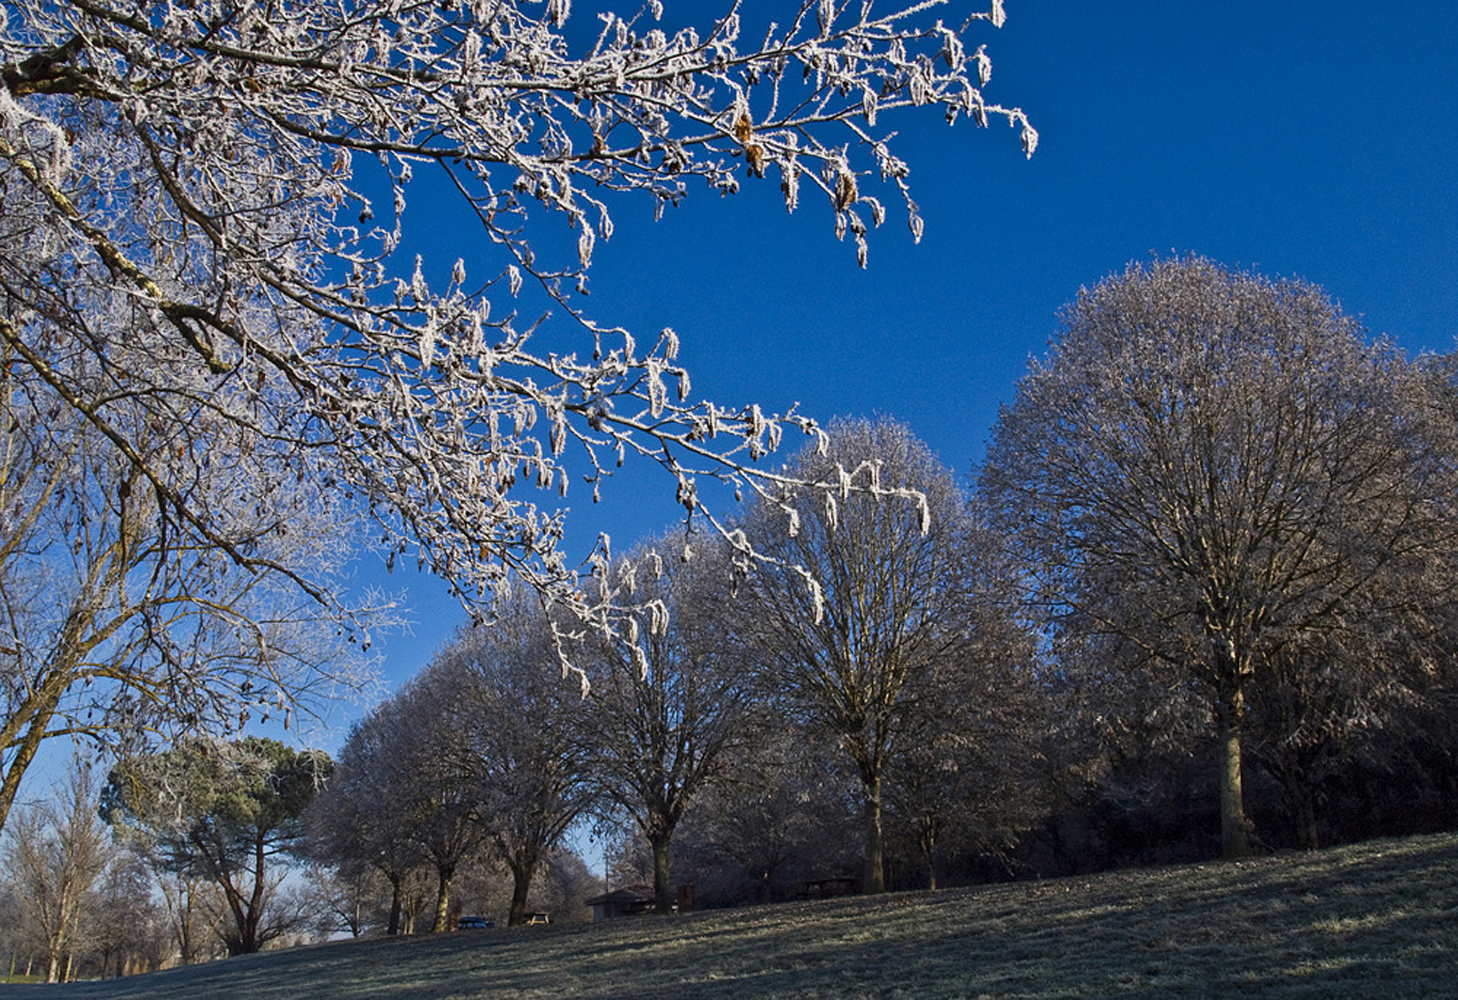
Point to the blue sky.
(1306, 139)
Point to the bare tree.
(195, 911)
(342, 902)
(55, 854)
(973, 770)
(427, 737)
(672, 699)
(363, 819)
(125, 925)
(17, 936)
(1217, 469)
(903, 592)
(519, 725)
(449, 765)
(114, 628)
(192, 233)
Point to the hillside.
(1375, 919)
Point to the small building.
(629, 901)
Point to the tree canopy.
(1219, 471)
(222, 811)
(909, 596)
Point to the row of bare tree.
(202, 839)
(1216, 524)
(205, 857)
(887, 631)
(75, 902)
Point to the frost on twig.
(229, 184)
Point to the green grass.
(1372, 920)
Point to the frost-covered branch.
(205, 223)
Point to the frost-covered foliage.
(1225, 490)
(118, 627)
(910, 614)
(203, 222)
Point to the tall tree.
(225, 811)
(364, 817)
(54, 856)
(519, 723)
(117, 629)
(671, 698)
(870, 601)
(205, 203)
(444, 809)
(404, 799)
(1219, 469)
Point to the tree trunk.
(927, 841)
(442, 903)
(24, 754)
(875, 841)
(662, 891)
(1234, 828)
(247, 913)
(249, 940)
(521, 883)
(44, 697)
(396, 903)
(244, 939)
(1306, 822)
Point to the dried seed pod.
(755, 155)
(743, 127)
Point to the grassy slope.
(1372, 920)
